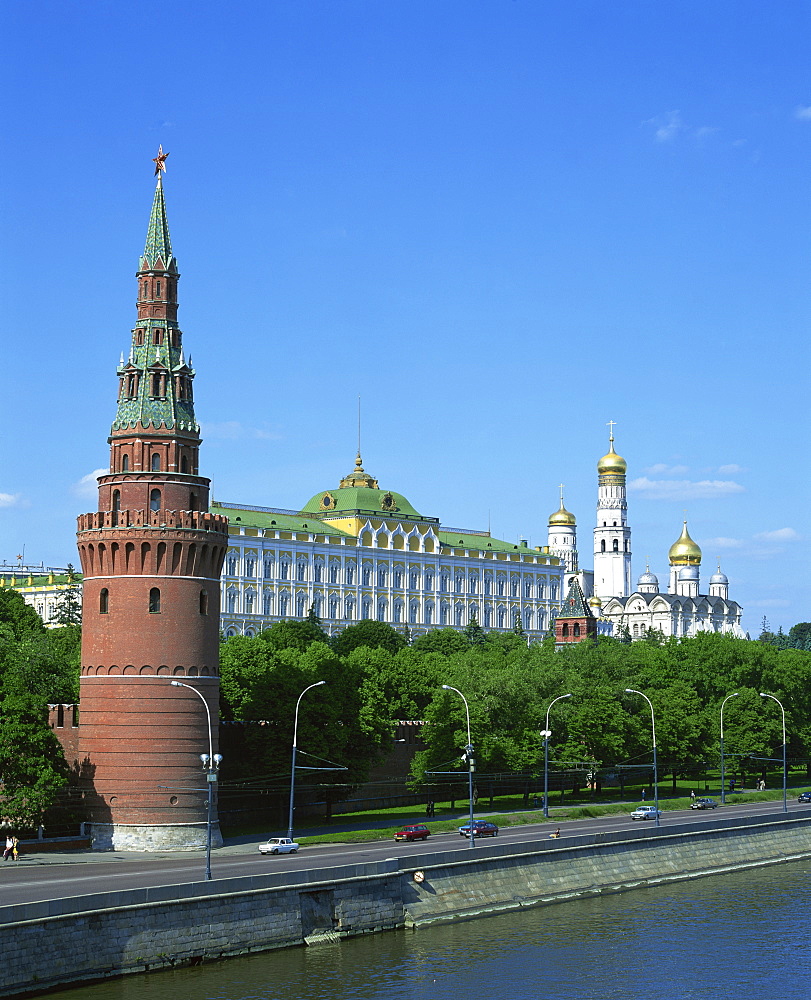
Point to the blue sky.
(502, 223)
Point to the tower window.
(104, 599)
(616, 545)
(565, 630)
(155, 601)
(203, 602)
(156, 462)
(602, 545)
(157, 288)
(155, 500)
(576, 630)
(125, 463)
(184, 464)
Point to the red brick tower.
(575, 621)
(151, 558)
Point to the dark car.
(704, 804)
(416, 832)
(804, 797)
(481, 828)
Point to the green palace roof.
(276, 520)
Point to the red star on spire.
(160, 161)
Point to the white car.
(646, 812)
(279, 845)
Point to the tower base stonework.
(182, 837)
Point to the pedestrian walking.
(14, 851)
(692, 796)
(643, 794)
(9, 847)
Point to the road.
(41, 877)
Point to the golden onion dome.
(595, 602)
(684, 552)
(562, 517)
(612, 464)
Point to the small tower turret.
(612, 536)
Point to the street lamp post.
(546, 734)
(723, 787)
(783, 711)
(655, 765)
(471, 763)
(211, 763)
(293, 765)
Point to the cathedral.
(619, 609)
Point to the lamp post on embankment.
(723, 787)
(211, 763)
(293, 764)
(546, 734)
(655, 766)
(471, 762)
(783, 711)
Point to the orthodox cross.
(610, 424)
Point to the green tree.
(32, 765)
(374, 635)
(442, 640)
(21, 619)
(294, 633)
(474, 632)
(68, 606)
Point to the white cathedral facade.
(681, 611)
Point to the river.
(741, 936)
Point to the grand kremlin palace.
(360, 552)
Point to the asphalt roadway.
(35, 877)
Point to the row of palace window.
(154, 603)
(532, 587)
(334, 606)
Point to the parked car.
(646, 812)
(416, 832)
(481, 828)
(279, 845)
(804, 797)
(704, 804)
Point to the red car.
(417, 832)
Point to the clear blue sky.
(501, 222)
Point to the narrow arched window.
(157, 289)
(155, 601)
(576, 631)
(155, 500)
(125, 463)
(616, 545)
(184, 464)
(602, 545)
(116, 506)
(566, 630)
(104, 601)
(203, 602)
(156, 462)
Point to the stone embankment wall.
(86, 938)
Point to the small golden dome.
(612, 464)
(595, 602)
(562, 516)
(684, 552)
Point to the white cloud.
(779, 535)
(87, 485)
(233, 430)
(684, 489)
(660, 469)
(803, 114)
(769, 602)
(721, 543)
(666, 127)
(730, 470)
(11, 500)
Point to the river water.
(743, 935)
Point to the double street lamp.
(546, 734)
(655, 766)
(211, 763)
(471, 763)
(293, 765)
(783, 711)
(723, 787)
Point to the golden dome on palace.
(612, 464)
(684, 552)
(562, 517)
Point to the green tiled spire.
(158, 241)
(575, 605)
